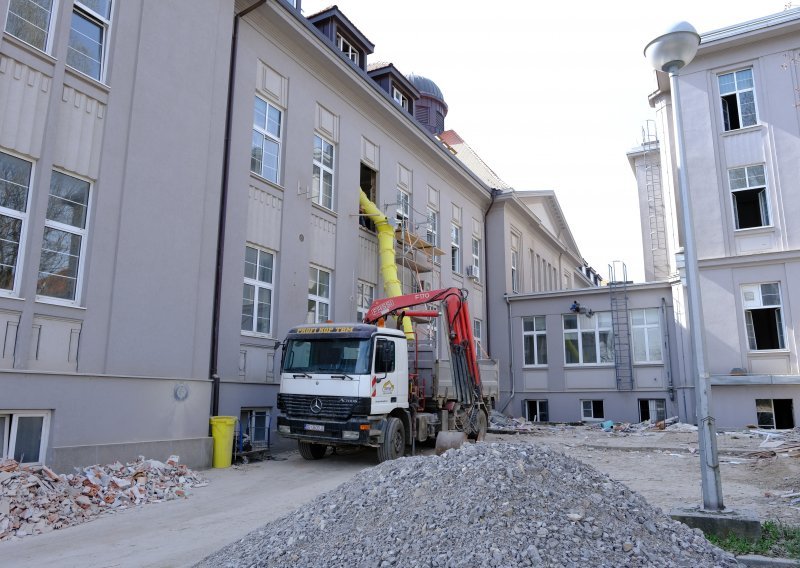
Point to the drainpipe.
(213, 371)
(495, 193)
(510, 355)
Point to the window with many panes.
(432, 231)
(476, 258)
(592, 409)
(588, 340)
(365, 295)
(455, 248)
(347, 48)
(400, 98)
(738, 99)
(88, 37)
(749, 192)
(266, 148)
(259, 272)
(514, 271)
(319, 295)
(477, 336)
(61, 263)
(30, 21)
(534, 340)
(762, 315)
(23, 436)
(15, 179)
(323, 172)
(403, 209)
(646, 335)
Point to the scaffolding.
(656, 215)
(620, 324)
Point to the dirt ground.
(664, 466)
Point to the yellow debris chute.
(391, 283)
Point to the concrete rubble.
(35, 500)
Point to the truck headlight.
(350, 435)
(284, 429)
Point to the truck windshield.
(327, 356)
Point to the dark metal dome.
(426, 86)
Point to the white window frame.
(260, 287)
(22, 216)
(48, 33)
(248, 426)
(756, 297)
(455, 249)
(82, 233)
(749, 179)
(262, 133)
(737, 92)
(649, 329)
(403, 210)
(514, 271)
(534, 327)
(477, 336)
(399, 97)
(432, 232)
(320, 198)
(586, 325)
(541, 404)
(476, 256)
(316, 298)
(347, 48)
(591, 415)
(9, 433)
(104, 23)
(365, 295)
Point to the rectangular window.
(477, 335)
(738, 100)
(750, 204)
(476, 258)
(762, 315)
(266, 150)
(400, 98)
(319, 295)
(323, 172)
(254, 425)
(646, 335)
(30, 20)
(61, 263)
(365, 295)
(347, 48)
(23, 436)
(537, 411)
(403, 210)
(775, 413)
(432, 231)
(588, 340)
(15, 179)
(259, 270)
(653, 410)
(455, 248)
(368, 180)
(592, 409)
(534, 340)
(514, 272)
(87, 36)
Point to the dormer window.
(347, 48)
(401, 99)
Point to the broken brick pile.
(36, 500)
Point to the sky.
(550, 94)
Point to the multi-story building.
(739, 101)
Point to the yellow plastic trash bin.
(222, 432)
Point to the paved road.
(181, 533)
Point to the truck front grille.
(323, 407)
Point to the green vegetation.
(776, 540)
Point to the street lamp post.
(669, 53)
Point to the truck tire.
(394, 441)
(311, 451)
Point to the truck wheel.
(394, 441)
(478, 424)
(311, 451)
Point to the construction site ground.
(663, 466)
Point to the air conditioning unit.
(474, 272)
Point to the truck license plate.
(315, 427)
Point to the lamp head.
(673, 49)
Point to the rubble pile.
(501, 424)
(35, 499)
(485, 504)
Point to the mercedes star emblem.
(316, 405)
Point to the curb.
(756, 560)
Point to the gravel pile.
(487, 504)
